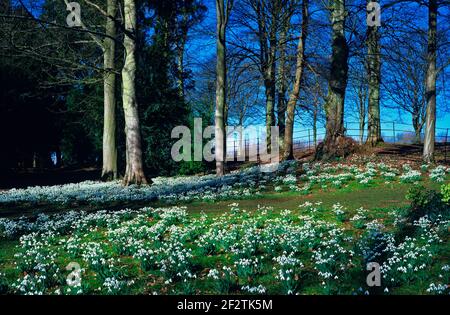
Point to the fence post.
(309, 139)
(234, 150)
(393, 131)
(257, 147)
(246, 148)
(446, 145)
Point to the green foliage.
(445, 191)
(425, 202)
(192, 168)
(161, 106)
(81, 141)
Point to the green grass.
(378, 197)
(378, 194)
(352, 196)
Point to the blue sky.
(204, 48)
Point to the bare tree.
(405, 77)
(430, 93)
(359, 87)
(106, 41)
(192, 12)
(223, 9)
(109, 169)
(374, 80)
(293, 98)
(108, 46)
(264, 24)
(282, 81)
(436, 47)
(337, 84)
(267, 15)
(134, 173)
(314, 90)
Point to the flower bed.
(168, 251)
(246, 183)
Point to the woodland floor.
(65, 175)
(382, 200)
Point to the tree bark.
(134, 173)
(339, 72)
(374, 74)
(180, 52)
(282, 83)
(270, 107)
(361, 131)
(430, 92)
(315, 127)
(222, 14)
(417, 127)
(334, 106)
(109, 169)
(362, 97)
(267, 31)
(180, 66)
(293, 98)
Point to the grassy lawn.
(377, 195)
(353, 195)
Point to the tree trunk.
(430, 93)
(361, 130)
(315, 127)
(134, 173)
(362, 96)
(289, 133)
(334, 106)
(267, 37)
(339, 72)
(180, 66)
(270, 108)
(180, 52)
(241, 149)
(222, 11)
(374, 74)
(282, 83)
(417, 127)
(109, 170)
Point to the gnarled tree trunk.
(335, 143)
(134, 173)
(430, 93)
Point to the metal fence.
(305, 140)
